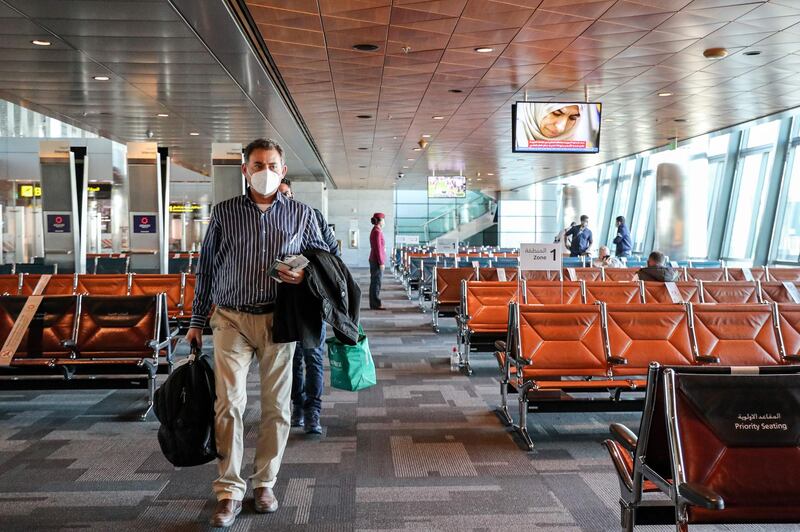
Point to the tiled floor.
(422, 450)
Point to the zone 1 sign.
(540, 257)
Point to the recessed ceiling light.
(364, 117)
(363, 149)
(162, 115)
(365, 47)
(426, 136)
(715, 53)
(752, 52)
(608, 119)
(394, 138)
(665, 94)
(416, 149)
(405, 168)
(455, 91)
(194, 133)
(101, 78)
(489, 174)
(438, 117)
(38, 42)
(679, 120)
(484, 49)
(362, 166)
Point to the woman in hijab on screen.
(540, 123)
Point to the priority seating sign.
(540, 257)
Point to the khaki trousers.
(238, 339)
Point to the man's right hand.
(195, 337)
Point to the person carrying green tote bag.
(352, 367)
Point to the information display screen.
(447, 186)
(556, 127)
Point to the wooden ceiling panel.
(620, 52)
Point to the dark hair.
(262, 144)
(621, 219)
(375, 221)
(657, 257)
(286, 181)
(584, 218)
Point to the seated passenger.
(657, 269)
(605, 260)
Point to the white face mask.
(265, 182)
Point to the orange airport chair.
(729, 292)
(484, 316)
(783, 274)
(706, 274)
(620, 274)
(553, 292)
(112, 284)
(613, 292)
(9, 284)
(58, 285)
(655, 292)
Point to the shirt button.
(344, 294)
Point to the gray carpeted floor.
(422, 450)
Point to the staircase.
(460, 222)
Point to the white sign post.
(540, 257)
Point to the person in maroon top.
(377, 260)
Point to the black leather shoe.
(312, 423)
(225, 513)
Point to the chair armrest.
(699, 495)
(618, 361)
(619, 464)
(624, 436)
(500, 345)
(792, 358)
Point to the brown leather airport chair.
(612, 292)
(777, 292)
(152, 284)
(9, 284)
(620, 274)
(447, 291)
(493, 274)
(729, 292)
(123, 335)
(111, 284)
(788, 321)
(541, 275)
(737, 274)
(706, 274)
(655, 292)
(553, 342)
(48, 336)
(696, 445)
(553, 293)
(775, 273)
(585, 274)
(643, 334)
(735, 335)
(484, 316)
(58, 285)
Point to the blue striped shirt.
(240, 246)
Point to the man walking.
(246, 234)
(307, 365)
(581, 238)
(623, 239)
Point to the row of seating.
(178, 288)
(566, 349)
(104, 264)
(717, 445)
(89, 337)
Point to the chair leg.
(435, 319)
(151, 392)
(467, 365)
(505, 415)
(626, 517)
(523, 416)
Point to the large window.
(788, 234)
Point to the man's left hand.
(292, 277)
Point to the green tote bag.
(352, 368)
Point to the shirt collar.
(279, 199)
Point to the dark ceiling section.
(156, 64)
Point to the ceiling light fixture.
(194, 133)
(484, 49)
(662, 94)
(752, 52)
(489, 174)
(438, 117)
(405, 168)
(715, 53)
(364, 117)
(426, 136)
(162, 115)
(101, 78)
(410, 160)
(38, 42)
(680, 120)
(416, 149)
(363, 149)
(455, 91)
(365, 47)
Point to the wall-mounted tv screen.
(556, 127)
(447, 186)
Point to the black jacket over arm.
(328, 294)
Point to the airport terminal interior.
(554, 246)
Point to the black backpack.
(184, 405)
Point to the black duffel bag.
(184, 405)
